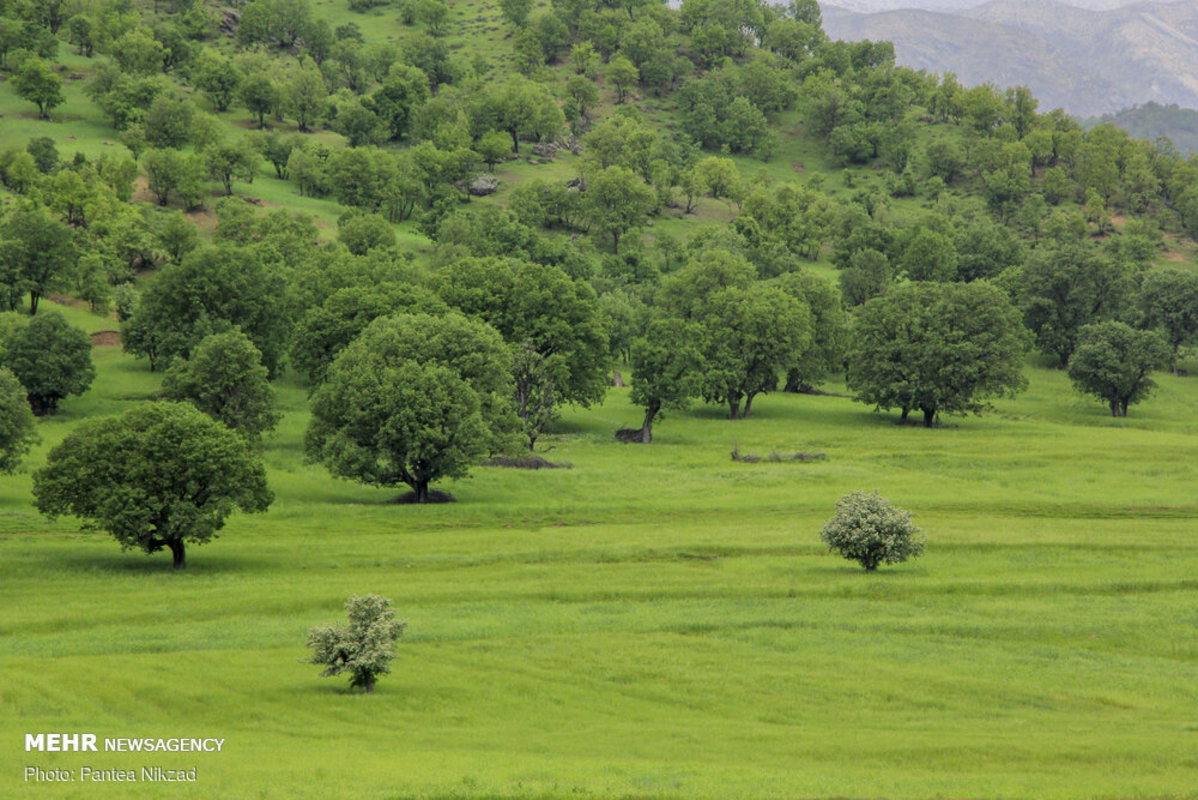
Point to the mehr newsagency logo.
(162, 749)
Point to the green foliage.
(541, 305)
(161, 475)
(666, 364)
(225, 379)
(867, 529)
(937, 348)
(622, 74)
(18, 432)
(1065, 287)
(305, 95)
(324, 330)
(365, 648)
(51, 358)
(384, 418)
(1114, 362)
(218, 78)
(44, 152)
(397, 99)
(1168, 301)
(212, 290)
(361, 233)
(37, 256)
(616, 201)
(38, 84)
(750, 336)
(516, 11)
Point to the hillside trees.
(1064, 287)
(1168, 301)
(37, 256)
(542, 306)
(160, 476)
(212, 290)
(617, 201)
(38, 84)
(225, 379)
(937, 348)
(324, 330)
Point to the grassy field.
(657, 622)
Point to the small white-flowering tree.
(365, 647)
(869, 530)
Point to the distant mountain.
(1088, 62)
(874, 6)
(1151, 120)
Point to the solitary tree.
(157, 477)
(365, 648)
(412, 400)
(38, 84)
(869, 530)
(225, 379)
(1114, 362)
(51, 358)
(391, 424)
(17, 431)
(937, 348)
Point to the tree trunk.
(734, 409)
(421, 489)
(615, 242)
(748, 405)
(177, 551)
(368, 685)
(515, 141)
(647, 426)
(34, 297)
(1114, 408)
(1123, 408)
(929, 416)
(906, 413)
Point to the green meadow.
(655, 622)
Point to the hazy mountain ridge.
(1088, 62)
(874, 6)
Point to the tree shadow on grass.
(132, 562)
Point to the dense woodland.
(499, 210)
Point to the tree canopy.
(160, 476)
(937, 348)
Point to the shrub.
(869, 530)
(365, 647)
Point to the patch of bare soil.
(106, 339)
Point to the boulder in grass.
(484, 185)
